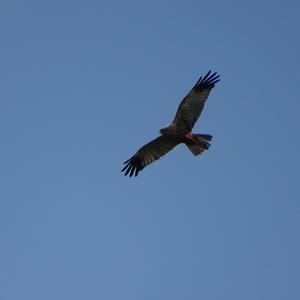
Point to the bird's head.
(162, 131)
(165, 130)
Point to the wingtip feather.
(209, 80)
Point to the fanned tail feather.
(201, 145)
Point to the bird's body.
(179, 134)
(180, 131)
(173, 131)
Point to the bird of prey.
(180, 131)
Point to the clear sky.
(84, 84)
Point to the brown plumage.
(179, 131)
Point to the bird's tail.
(201, 144)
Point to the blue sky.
(84, 85)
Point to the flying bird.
(180, 130)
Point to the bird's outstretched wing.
(192, 105)
(148, 154)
